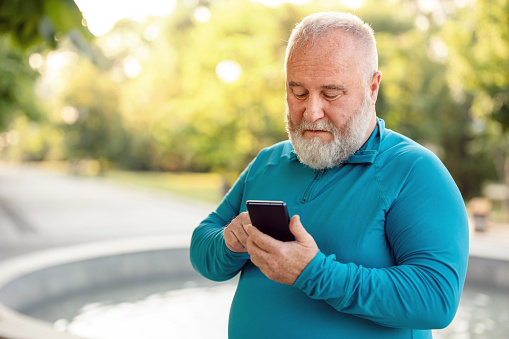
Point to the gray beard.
(347, 140)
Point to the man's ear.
(374, 85)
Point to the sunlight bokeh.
(101, 15)
(352, 3)
(228, 71)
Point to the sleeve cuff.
(324, 278)
(310, 273)
(234, 256)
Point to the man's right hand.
(235, 235)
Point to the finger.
(232, 242)
(257, 254)
(298, 229)
(252, 230)
(256, 235)
(237, 226)
(261, 242)
(241, 234)
(244, 218)
(253, 242)
(245, 221)
(235, 236)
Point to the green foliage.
(478, 69)
(30, 22)
(157, 102)
(480, 57)
(199, 122)
(98, 131)
(26, 26)
(16, 82)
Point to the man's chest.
(342, 209)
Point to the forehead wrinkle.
(328, 79)
(333, 54)
(302, 68)
(328, 62)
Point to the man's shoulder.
(271, 156)
(398, 145)
(275, 153)
(401, 161)
(399, 156)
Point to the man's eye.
(331, 96)
(300, 95)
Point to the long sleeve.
(209, 254)
(426, 226)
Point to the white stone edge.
(14, 325)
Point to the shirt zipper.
(308, 193)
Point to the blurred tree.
(200, 118)
(415, 98)
(203, 89)
(30, 22)
(27, 26)
(479, 57)
(93, 125)
(181, 114)
(478, 71)
(16, 85)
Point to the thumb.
(298, 229)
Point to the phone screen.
(271, 217)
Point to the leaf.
(64, 14)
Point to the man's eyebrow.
(331, 87)
(334, 87)
(295, 84)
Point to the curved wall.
(32, 279)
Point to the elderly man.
(381, 236)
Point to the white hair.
(318, 25)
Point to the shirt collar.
(368, 152)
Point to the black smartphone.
(271, 217)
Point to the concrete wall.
(97, 273)
(27, 281)
(35, 278)
(493, 272)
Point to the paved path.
(43, 209)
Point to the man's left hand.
(281, 261)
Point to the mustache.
(304, 125)
(321, 125)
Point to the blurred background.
(180, 95)
(114, 88)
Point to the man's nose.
(314, 109)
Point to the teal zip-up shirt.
(392, 233)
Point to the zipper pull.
(320, 174)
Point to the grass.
(201, 186)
